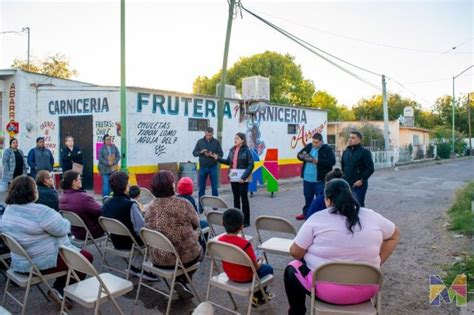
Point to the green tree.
(443, 110)
(372, 109)
(55, 65)
(336, 112)
(287, 84)
(372, 136)
(443, 138)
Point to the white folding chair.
(349, 274)
(214, 218)
(213, 203)
(77, 221)
(233, 254)
(146, 196)
(97, 289)
(23, 280)
(156, 240)
(115, 227)
(274, 245)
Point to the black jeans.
(241, 192)
(295, 292)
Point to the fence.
(398, 156)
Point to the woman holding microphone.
(241, 165)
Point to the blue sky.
(169, 43)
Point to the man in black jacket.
(357, 166)
(205, 148)
(318, 159)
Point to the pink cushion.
(345, 294)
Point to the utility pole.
(452, 120)
(220, 107)
(469, 119)
(123, 90)
(28, 57)
(385, 115)
(454, 104)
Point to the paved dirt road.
(414, 199)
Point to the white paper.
(235, 174)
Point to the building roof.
(4, 73)
(415, 129)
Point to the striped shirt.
(40, 230)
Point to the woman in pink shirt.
(241, 164)
(344, 232)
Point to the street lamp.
(27, 29)
(454, 103)
(24, 29)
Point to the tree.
(287, 84)
(443, 109)
(55, 65)
(372, 109)
(372, 136)
(336, 112)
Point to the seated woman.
(76, 200)
(121, 208)
(48, 196)
(342, 232)
(39, 229)
(179, 222)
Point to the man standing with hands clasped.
(318, 159)
(205, 148)
(357, 166)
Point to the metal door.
(81, 129)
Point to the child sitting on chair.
(233, 221)
(185, 190)
(134, 193)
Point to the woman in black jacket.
(241, 165)
(47, 195)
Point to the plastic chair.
(145, 196)
(156, 240)
(274, 245)
(351, 274)
(113, 226)
(34, 276)
(77, 221)
(215, 218)
(95, 290)
(233, 254)
(213, 203)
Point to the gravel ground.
(416, 199)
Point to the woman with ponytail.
(343, 232)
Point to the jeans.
(240, 192)
(359, 193)
(265, 270)
(311, 190)
(105, 185)
(204, 172)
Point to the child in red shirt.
(233, 221)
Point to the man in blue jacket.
(357, 166)
(40, 158)
(318, 159)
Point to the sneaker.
(300, 217)
(257, 301)
(183, 291)
(148, 276)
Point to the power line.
(305, 45)
(425, 51)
